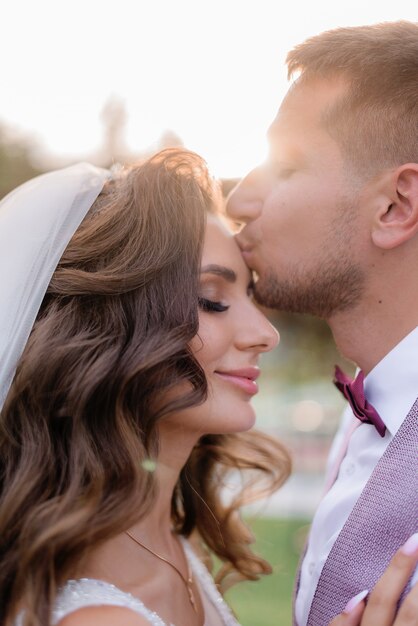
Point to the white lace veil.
(37, 221)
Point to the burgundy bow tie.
(353, 391)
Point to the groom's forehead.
(290, 117)
(307, 102)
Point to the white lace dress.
(77, 594)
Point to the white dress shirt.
(392, 388)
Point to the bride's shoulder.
(105, 616)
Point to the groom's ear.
(396, 220)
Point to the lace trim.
(84, 592)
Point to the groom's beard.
(331, 284)
(334, 290)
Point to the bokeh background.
(112, 82)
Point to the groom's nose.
(245, 202)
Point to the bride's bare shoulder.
(105, 616)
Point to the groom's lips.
(247, 256)
(246, 251)
(241, 241)
(245, 246)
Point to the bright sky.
(210, 70)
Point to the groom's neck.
(366, 335)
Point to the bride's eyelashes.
(212, 306)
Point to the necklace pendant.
(187, 581)
(192, 598)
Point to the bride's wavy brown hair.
(80, 421)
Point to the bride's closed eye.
(212, 306)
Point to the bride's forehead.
(218, 239)
(220, 247)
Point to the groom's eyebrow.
(219, 270)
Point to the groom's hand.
(379, 608)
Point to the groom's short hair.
(375, 122)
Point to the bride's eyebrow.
(219, 270)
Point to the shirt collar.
(392, 385)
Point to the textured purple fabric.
(385, 515)
(353, 391)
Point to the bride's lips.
(244, 378)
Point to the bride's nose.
(256, 332)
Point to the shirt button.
(350, 469)
(311, 568)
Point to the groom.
(331, 229)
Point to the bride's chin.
(243, 419)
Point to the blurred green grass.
(268, 602)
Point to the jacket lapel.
(383, 518)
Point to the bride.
(129, 352)
(130, 399)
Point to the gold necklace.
(187, 581)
